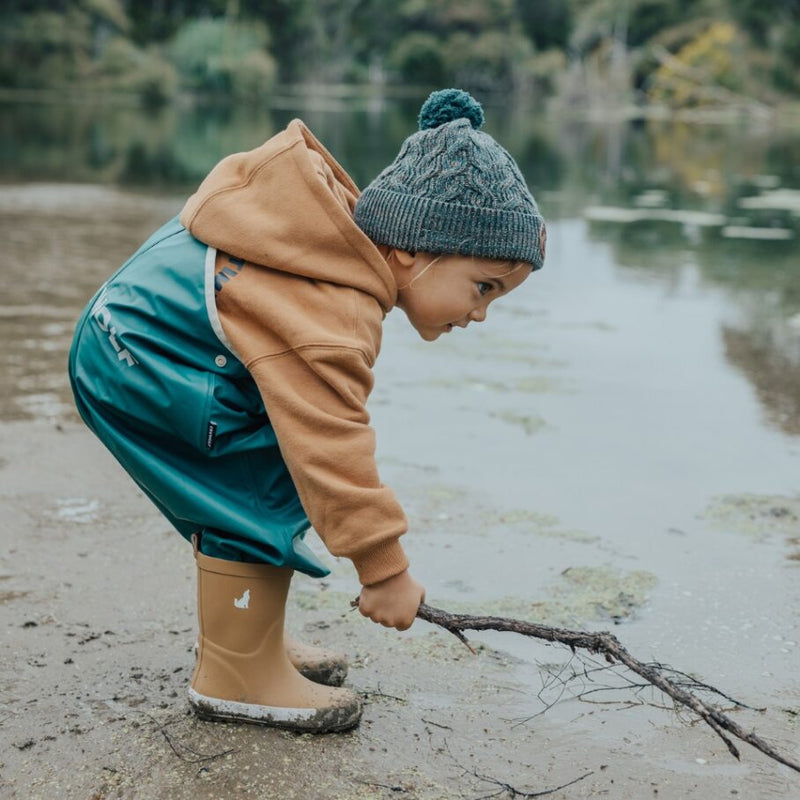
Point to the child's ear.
(405, 258)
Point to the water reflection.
(60, 243)
(723, 199)
(772, 370)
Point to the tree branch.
(609, 646)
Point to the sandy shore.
(97, 607)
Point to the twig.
(390, 787)
(507, 788)
(436, 724)
(199, 757)
(378, 693)
(608, 645)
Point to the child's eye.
(484, 288)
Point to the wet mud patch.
(793, 543)
(757, 516)
(8, 596)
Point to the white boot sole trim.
(234, 710)
(308, 719)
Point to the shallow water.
(619, 443)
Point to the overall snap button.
(220, 361)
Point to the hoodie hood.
(288, 205)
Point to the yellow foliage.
(706, 70)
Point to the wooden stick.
(607, 644)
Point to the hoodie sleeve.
(315, 397)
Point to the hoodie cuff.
(381, 562)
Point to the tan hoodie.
(304, 313)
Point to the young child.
(227, 366)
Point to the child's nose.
(478, 314)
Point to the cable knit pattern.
(453, 189)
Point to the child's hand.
(393, 602)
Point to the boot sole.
(306, 720)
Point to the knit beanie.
(453, 189)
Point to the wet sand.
(569, 463)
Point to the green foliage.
(222, 46)
(469, 43)
(545, 23)
(489, 61)
(649, 17)
(53, 46)
(419, 58)
(755, 16)
(126, 67)
(110, 12)
(221, 56)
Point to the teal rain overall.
(157, 381)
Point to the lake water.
(620, 442)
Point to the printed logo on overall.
(102, 316)
(211, 434)
(243, 601)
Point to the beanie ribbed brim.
(412, 223)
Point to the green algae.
(754, 515)
(524, 515)
(581, 595)
(320, 600)
(537, 384)
(530, 423)
(544, 525)
(439, 493)
(568, 535)
(595, 594)
(542, 385)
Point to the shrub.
(419, 58)
(221, 56)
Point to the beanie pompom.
(447, 105)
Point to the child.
(227, 366)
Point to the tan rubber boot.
(243, 672)
(318, 665)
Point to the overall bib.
(155, 378)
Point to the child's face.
(443, 292)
